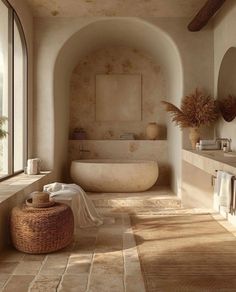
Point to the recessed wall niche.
(124, 61)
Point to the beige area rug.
(185, 253)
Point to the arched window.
(13, 92)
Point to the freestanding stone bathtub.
(110, 175)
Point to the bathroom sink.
(219, 155)
(230, 154)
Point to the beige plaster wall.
(116, 60)
(197, 190)
(60, 43)
(193, 49)
(224, 39)
(197, 56)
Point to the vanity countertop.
(211, 160)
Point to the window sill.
(18, 183)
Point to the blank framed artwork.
(118, 97)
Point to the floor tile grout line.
(62, 275)
(123, 253)
(67, 263)
(8, 280)
(6, 283)
(92, 261)
(136, 248)
(36, 276)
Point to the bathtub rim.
(115, 161)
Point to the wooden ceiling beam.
(205, 14)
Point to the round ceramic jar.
(152, 131)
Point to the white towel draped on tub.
(85, 214)
(223, 194)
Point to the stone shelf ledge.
(207, 163)
(117, 140)
(18, 183)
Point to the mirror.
(227, 86)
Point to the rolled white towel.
(207, 142)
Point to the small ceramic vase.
(194, 136)
(152, 131)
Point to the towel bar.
(213, 176)
(232, 206)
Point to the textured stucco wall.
(116, 60)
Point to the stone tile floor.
(100, 259)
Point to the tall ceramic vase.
(194, 136)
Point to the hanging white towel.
(224, 190)
(234, 200)
(85, 214)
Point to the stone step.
(158, 203)
(152, 200)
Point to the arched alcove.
(130, 32)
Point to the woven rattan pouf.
(42, 230)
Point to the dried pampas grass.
(196, 109)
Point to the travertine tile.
(18, 283)
(106, 282)
(79, 264)
(74, 283)
(34, 257)
(112, 261)
(11, 255)
(45, 283)
(134, 283)
(109, 252)
(28, 268)
(54, 265)
(109, 238)
(85, 232)
(7, 268)
(84, 244)
(3, 279)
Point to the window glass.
(19, 93)
(13, 93)
(4, 83)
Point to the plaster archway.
(131, 32)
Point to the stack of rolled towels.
(127, 136)
(209, 145)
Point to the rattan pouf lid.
(42, 230)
